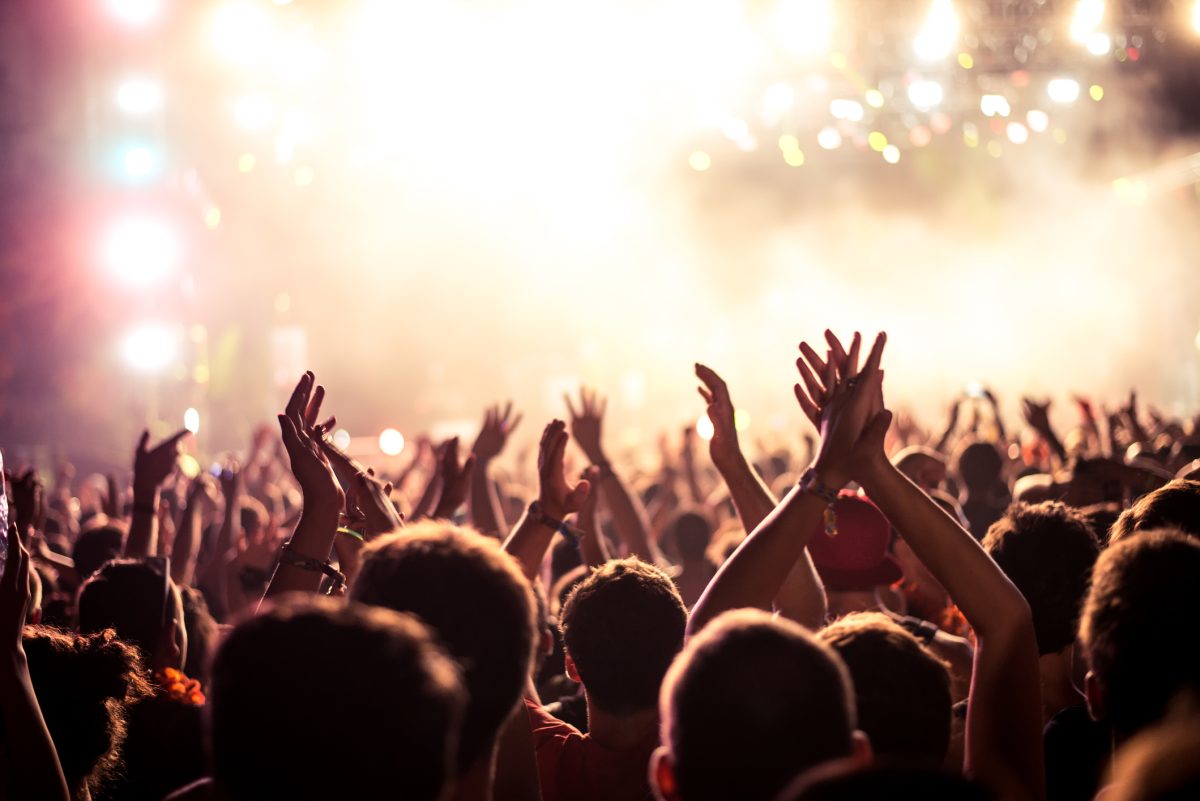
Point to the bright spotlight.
(391, 442)
(241, 32)
(1099, 44)
(141, 251)
(135, 12)
(1089, 14)
(805, 26)
(704, 427)
(939, 35)
(849, 110)
(252, 112)
(1063, 90)
(1017, 133)
(148, 348)
(891, 154)
(139, 96)
(191, 420)
(829, 138)
(1196, 16)
(994, 106)
(925, 94)
(139, 162)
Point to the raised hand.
(586, 423)
(301, 437)
(29, 499)
(15, 590)
(724, 443)
(556, 497)
(152, 466)
(498, 424)
(1037, 415)
(373, 499)
(455, 479)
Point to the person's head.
(924, 466)
(316, 699)
(134, 598)
(477, 601)
(845, 780)
(1173, 505)
(622, 626)
(691, 534)
(95, 546)
(83, 684)
(978, 465)
(1159, 764)
(1047, 550)
(901, 690)
(1138, 628)
(750, 702)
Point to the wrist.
(875, 471)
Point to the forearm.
(143, 530)
(483, 503)
(591, 542)
(755, 572)
(312, 539)
(428, 500)
(528, 543)
(27, 740)
(186, 547)
(628, 516)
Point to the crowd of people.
(904, 613)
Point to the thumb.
(578, 495)
(877, 429)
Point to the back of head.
(901, 690)
(691, 533)
(477, 601)
(313, 684)
(1047, 550)
(1159, 764)
(622, 626)
(95, 546)
(749, 703)
(847, 781)
(1173, 505)
(83, 684)
(978, 464)
(1138, 627)
(131, 597)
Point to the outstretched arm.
(483, 502)
(627, 512)
(150, 469)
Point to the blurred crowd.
(941, 606)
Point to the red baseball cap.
(856, 556)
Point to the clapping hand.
(556, 497)
(152, 466)
(301, 438)
(455, 478)
(724, 442)
(586, 423)
(498, 424)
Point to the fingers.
(142, 440)
(876, 431)
(516, 421)
(704, 393)
(298, 402)
(172, 442)
(836, 351)
(808, 407)
(876, 355)
(815, 390)
(850, 366)
(291, 437)
(815, 361)
(570, 408)
(314, 407)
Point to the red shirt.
(574, 767)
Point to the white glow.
(139, 96)
(1099, 44)
(1038, 120)
(778, 99)
(1017, 133)
(141, 251)
(241, 32)
(1089, 14)
(191, 420)
(148, 348)
(829, 138)
(139, 162)
(391, 442)
(1063, 90)
(925, 94)
(135, 12)
(849, 110)
(341, 438)
(939, 35)
(804, 27)
(1196, 16)
(253, 112)
(994, 106)
(704, 427)
(891, 154)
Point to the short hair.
(901, 690)
(477, 601)
(1176, 504)
(1138, 626)
(845, 780)
(95, 546)
(978, 464)
(83, 684)
(127, 595)
(622, 626)
(1047, 550)
(750, 702)
(315, 680)
(691, 532)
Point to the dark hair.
(750, 702)
(127, 595)
(691, 533)
(1047, 550)
(95, 546)
(473, 595)
(622, 626)
(978, 464)
(83, 685)
(1138, 626)
(316, 681)
(901, 690)
(846, 781)
(1176, 504)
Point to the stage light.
(778, 99)
(805, 27)
(1089, 14)
(139, 96)
(849, 110)
(1038, 120)
(925, 94)
(1017, 133)
(191, 420)
(135, 12)
(148, 348)
(391, 442)
(141, 251)
(704, 427)
(253, 112)
(939, 34)
(1196, 16)
(874, 98)
(891, 154)
(829, 138)
(139, 162)
(1099, 44)
(341, 438)
(1063, 90)
(699, 161)
(241, 32)
(994, 106)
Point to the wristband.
(289, 557)
(351, 533)
(811, 483)
(561, 526)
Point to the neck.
(846, 602)
(619, 732)
(476, 783)
(1058, 692)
